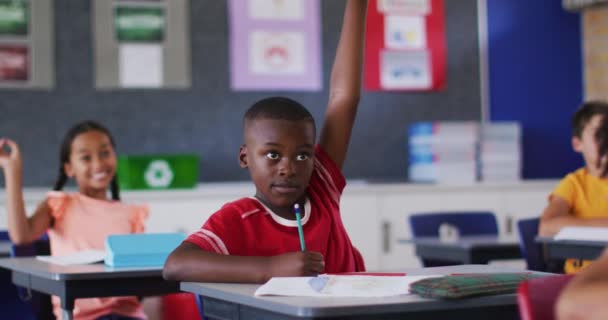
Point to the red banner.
(405, 45)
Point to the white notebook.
(339, 286)
(81, 257)
(582, 233)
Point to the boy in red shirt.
(254, 239)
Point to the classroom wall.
(206, 118)
(535, 74)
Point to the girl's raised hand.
(12, 158)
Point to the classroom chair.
(469, 223)
(536, 298)
(40, 303)
(530, 250)
(533, 251)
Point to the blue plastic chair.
(470, 223)
(533, 251)
(530, 250)
(40, 303)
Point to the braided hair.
(66, 150)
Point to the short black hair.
(279, 108)
(584, 114)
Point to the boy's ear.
(577, 144)
(243, 156)
(67, 168)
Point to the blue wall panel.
(536, 78)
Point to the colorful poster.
(276, 9)
(275, 45)
(14, 63)
(405, 45)
(139, 23)
(14, 17)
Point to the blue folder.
(141, 250)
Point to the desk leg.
(67, 314)
(67, 308)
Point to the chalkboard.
(206, 118)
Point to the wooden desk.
(577, 249)
(466, 249)
(237, 301)
(86, 281)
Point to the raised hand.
(9, 160)
(294, 264)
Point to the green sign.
(13, 17)
(158, 171)
(139, 24)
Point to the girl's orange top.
(82, 223)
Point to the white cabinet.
(360, 218)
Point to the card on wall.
(141, 44)
(26, 52)
(405, 45)
(275, 45)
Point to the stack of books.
(443, 152)
(500, 152)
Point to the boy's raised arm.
(345, 83)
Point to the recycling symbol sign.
(158, 174)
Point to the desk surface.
(466, 249)
(243, 294)
(33, 266)
(578, 249)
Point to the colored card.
(14, 63)
(404, 32)
(14, 16)
(139, 23)
(408, 7)
(405, 70)
(276, 9)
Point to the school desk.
(466, 249)
(237, 302)
(577, 249)
(86, 281)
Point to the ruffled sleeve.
(57, 202)
(138, 217)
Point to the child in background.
(581, 198)
(81, 220)
(256, 238)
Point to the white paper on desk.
(582, 233)
(341, 286)
(81, 257)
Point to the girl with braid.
(80, 220)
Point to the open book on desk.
(583, 234)
(339, 286)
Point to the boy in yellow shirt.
(581, 198)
